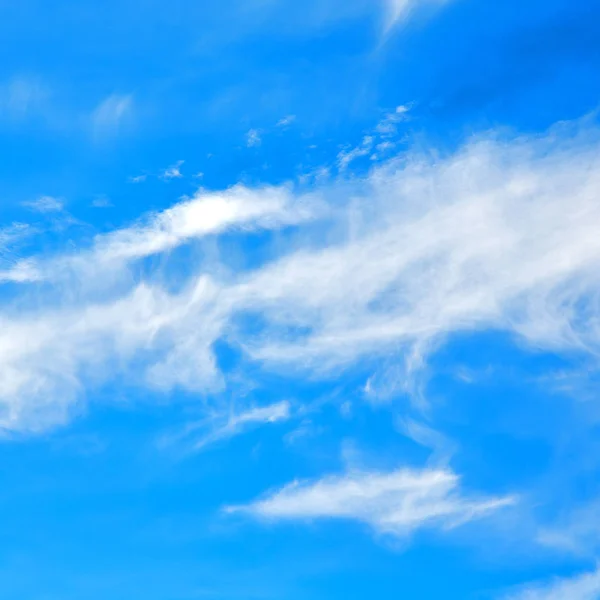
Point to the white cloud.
(172, 172)
(45, 204)
(345, 157)
(204, 214)
(253, 138)
(222, 428)
(21, 271)
(399, 10)
(582, 587)
(285, 121)
(577, 532)
(388, 126)
(140, 178)
(395, 503)
(14, 268)
(101, 202)
(500, 235)
(109, 116)
(21, 96)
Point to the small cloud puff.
(174, 171)
(138, 179)
(253, 138)
(101, 202)
(286, 121)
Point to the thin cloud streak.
(582, 587)
(396, 503)
(223, 427)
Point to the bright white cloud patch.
(583, 587)
(204, 214)
(502, 234)
(395, 503)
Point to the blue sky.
(300, 300)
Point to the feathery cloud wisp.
(253, 138)
(238, 423)
(398, 10)
(45, 204)
(394, 503)
(582, 587)
(21, 96)
(172, 172)
(108, 117)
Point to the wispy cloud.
(206, 213)
(172, 172)
(577, 532)
(253, 138)
(22, 271)
(109, 116)
(221, 428)
(22, 96)
(138, 178)
(13, 267)
(379, 141)
(285, 121)
(102, 202)
(395, 503)
(582, 587)
(499, 235)
(345, 157)
(388, 126)
(45, 204)
(397, 11)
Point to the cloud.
(396, 503)
(577, 532)
(204, 214)
(109, 116)
(101, 202)
(399, 10)
(235, 424)
(345, 157)
(14, 268)
(172, 172)
(499, 235)
(582, 587)
(22, 96)
(253, 138)
(388, 126)
(142, 178)
(379, 141)
(22, 271)
(45, 204)
(285, 121)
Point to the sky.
(300, 300)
